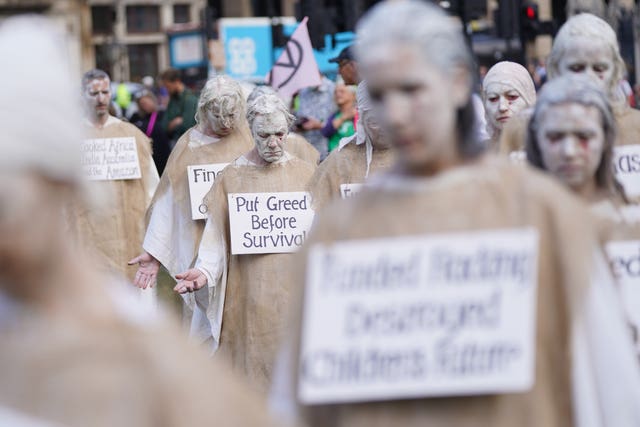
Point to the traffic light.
(529, 21)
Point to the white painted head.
(507, 89)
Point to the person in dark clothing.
(148, 119)
(181, 110)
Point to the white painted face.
(222, 121)
(270, 134)
(416, 104)
(97, 96)
(571, 141)
(590, 57)
(501, 102)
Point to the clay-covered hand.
(147, 273)
(190, 281)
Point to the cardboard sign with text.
(624, 257)
(437, 315)
(201, 178)
(263, 223)
(626, 165)
(348, 190)
(108, 159)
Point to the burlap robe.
(257, 290)
(347, 165)
(86, 360)
(491, 194)
(176, 245)
(115, 231)
(300, 147)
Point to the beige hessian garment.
(257, 287)
(115, 231)
(348, 165)
(514, 135)
(300, 147)
(88, 359)
(493, 194)
(172, 236)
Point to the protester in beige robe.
(249, 294)
(172, 237)
(507, 89)
(116, 229)
(571, 135)
(367, 152)
(585, 44)
(75, 351)
(585, 372)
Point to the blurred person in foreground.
(249, 292)
(411, 286)
(74, 351)
(172, 236)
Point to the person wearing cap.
(391, 279)
(74, 351)
(347, 66)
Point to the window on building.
(143, 19)
(181, 14)
(102, 18)
(143, 61)
(104, 58)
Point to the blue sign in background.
(249, 54)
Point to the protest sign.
(201, 179)
(410, 317)
(107, 159)
(269, 222)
